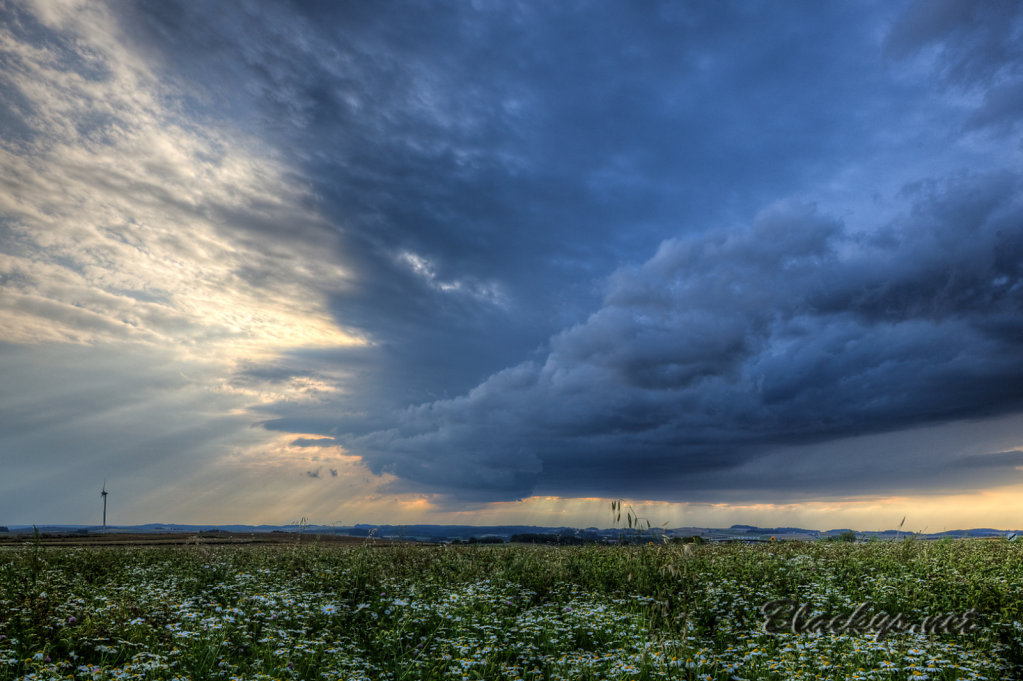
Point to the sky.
(502, 263)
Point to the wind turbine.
(104, 494)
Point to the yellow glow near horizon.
(356, 496)
(1000, 508)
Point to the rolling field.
(330, 611)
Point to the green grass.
(501, 612)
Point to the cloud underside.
(724, 347)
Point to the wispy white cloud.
(484, 291)
(126, 220)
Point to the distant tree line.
(479, 540)
(554, 539)
(687, 540)
(576, 539)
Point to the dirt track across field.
(186, 539)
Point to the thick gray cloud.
(977, 48)
(725, 345)
(488, 167)
(975, 42)
(534, 159)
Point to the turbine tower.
(104, 494)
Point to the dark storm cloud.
(547, 221)
(522, 152)
(487, 168)
(723, 346)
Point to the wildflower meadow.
(406, 612)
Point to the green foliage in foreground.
(502, 612)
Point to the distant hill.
(435, 533)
